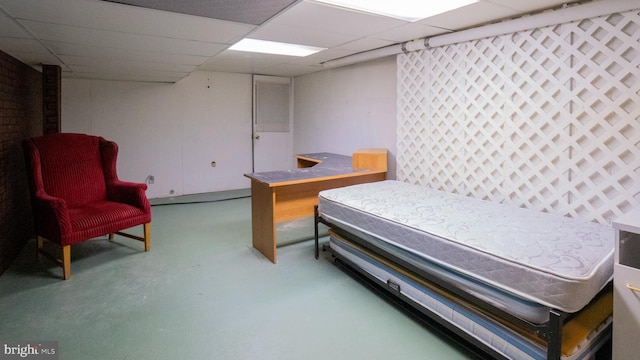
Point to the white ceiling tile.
(229, 67)
(37, 59)
(102, 63)
(109, 40)
(142, 77)
(114, 68)
(9, 45)
(69, 49)
(222, 65)
(365, 44)
(526, 6)
(129, 19)
(329, 54)
(331, 19)
(302, 36)
(83, 36)
(469, 16)
(239, 59)
(8, 28)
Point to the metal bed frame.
(551, 331)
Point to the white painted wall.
(343, 109)
(175, 131)
(170, 131)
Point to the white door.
(272, 122)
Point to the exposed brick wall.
(20, 118)
(51, 88)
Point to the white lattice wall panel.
(411, 126)
(539, 117)
(547, 119)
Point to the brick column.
(20, 118)
(51, 94)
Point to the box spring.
(504, 339)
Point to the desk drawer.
(626, 312)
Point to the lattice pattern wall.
(547, 119)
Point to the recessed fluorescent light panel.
(273, 47)
(409, 10)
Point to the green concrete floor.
(203, 292)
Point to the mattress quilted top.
(571, 248)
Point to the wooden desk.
(288, 195)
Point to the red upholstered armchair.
(76, 194)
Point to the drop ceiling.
(165, 40)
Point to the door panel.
(272, 136)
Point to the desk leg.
(316, 221)
(263, 220)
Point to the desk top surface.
(329, 164)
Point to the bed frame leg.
(316, 221)
(554, 335)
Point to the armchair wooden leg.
(111, 236)
(66, 261)
(40, 245)
(147, 236)
(146, 239)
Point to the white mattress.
(548, 259)
(486, 330)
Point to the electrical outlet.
(150, 179)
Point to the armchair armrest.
(51, 215)
(129, 193)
